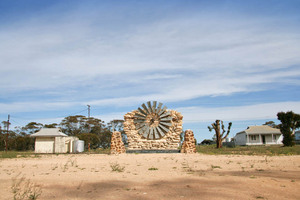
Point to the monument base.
(154, 151)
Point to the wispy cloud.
(236, 113)
(84, 56)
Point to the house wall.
(70, 144)
(254, 140)
(44, 145)
(240, 139)
(60, 145)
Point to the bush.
(89, 138)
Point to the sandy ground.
(154, 176)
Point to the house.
(258, 135)
(52, 140)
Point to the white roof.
(264, 129)
(49, 132)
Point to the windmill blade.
(162, 110)
(146, 133)
(139, 126)
(149, 107)
(138, 120)
(142, 111)
(166, 123)
(163, 128)
(166, 114)
(154, 106)
(145, 107)
(166, 119)
(156, 133)
(159, 107)
(139, 116)
(160, 132)
(142, 130)
(151, 133)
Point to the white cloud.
(88, 61)
(65, 55)
(236, 113)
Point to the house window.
(253, 137)
(274, 137)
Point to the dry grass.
(23, 188)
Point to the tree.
(220, 137)
(89, 138)
(53, 125)
(105, 138)
(74, 125)
(117, 124)
(71, 125)
(271, 124)
(23, 143)
(290, 121)
(207, 142)
(32, 127)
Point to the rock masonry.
(170, 141)
(117, 145)
(188, 145)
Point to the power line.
(7, 133)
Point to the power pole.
(7, 133)
(89, 110)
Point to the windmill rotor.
(152, 122)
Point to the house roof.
(264, 129)
(49, 132)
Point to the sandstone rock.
(117, 145)
(188, 145)
(169, 141)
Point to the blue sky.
(232, 60)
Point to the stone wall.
(169, 141)
(188, 145)
(117, 145)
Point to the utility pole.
(89, 110)
(7, 133)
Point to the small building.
(259, 135)
(52, 140)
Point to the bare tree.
(219, 136)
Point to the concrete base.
(154, 151)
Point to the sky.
(236, 61)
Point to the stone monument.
(117, 145)
(188, 145)
(153, 127)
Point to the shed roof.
(49, 132)
(264, 129)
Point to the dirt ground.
(152, 176)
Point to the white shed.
(52, 140)
(259, 135)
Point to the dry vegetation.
(153, 176)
